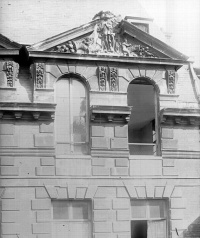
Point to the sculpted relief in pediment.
(106, 39)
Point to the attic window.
(140, 22)
(142, 26)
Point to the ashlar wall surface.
(108, 176)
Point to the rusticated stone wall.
(32, 176)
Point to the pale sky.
(182, 19)
(30, 21)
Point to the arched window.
(143, 128)
(71, 117)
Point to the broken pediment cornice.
(110, 36)
(104, 36)
(107, 38)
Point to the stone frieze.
(106, 39)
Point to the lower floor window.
(148, 219)
(71, 219)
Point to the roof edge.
(153, 41)
(47, 42)
(91, 57)
(9, 44)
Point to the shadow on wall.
(25, 84)
(193, 230)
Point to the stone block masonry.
(107, 177)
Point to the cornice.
(9, 52)
(37, 111)
(107, 114)
(180, 116)
(7, 43)
(68, 35)
(107, 39)
(180, 154)
(105, 58)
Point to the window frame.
(71, 144)
(71, 212)
(70, 222)
(166, 213)
(148, 81)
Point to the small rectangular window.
(71, 219)
(60, 210)
(156, 209)
(70, 210)
(80, 210)
(138, 209)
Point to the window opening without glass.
(148, 219)
(71, 117)
(71, 219)
(143, 125)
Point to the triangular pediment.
(108, 35)
(6, 43)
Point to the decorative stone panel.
(102, 73)
(40, 75)
(170, 81)
(113, 78)
(108, 78)
(11, 70)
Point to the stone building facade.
(99, 135)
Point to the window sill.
(71, 156)
(8, 88)
(169, 95)
(44, 89)
(144, 157)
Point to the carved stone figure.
(105, 30)
(128, 49)
(68, 47)
(103, 15)
(144, 52)
(105, 39)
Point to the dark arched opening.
(143, 127)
